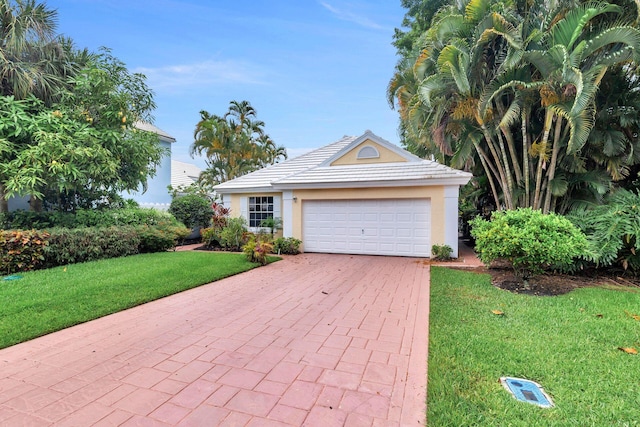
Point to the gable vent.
(368, 152)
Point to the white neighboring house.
(183, 174)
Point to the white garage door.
(376, 227)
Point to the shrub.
(160, 237)
(529, 240)
(234, 235)
(441, 252)
(272, 223)
(219, 220)
(22, 250)
(192, 210)
(286, 246)
(70, 246)
(257, 249)
(613, 231)
(83, 218)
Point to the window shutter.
(277, 207)
(244, 208)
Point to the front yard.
(45, 301)
(571, 344)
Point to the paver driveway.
(314, 340)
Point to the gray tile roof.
(152, 128)
(264, 177)
(311, 170)
(183, 174)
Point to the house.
(183, 174)
(358, 195)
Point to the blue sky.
(313, 70)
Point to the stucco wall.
(444, 213)
(157, 193)
(351, 157)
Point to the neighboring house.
(157, 195)
(359, 195)
(183, 174)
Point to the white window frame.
(263, 206)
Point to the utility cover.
(527, 391)
(12, 277)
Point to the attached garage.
(398, 227)
(358, 195)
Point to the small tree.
(192, 210)
(529, 240)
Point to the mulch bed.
(558, 284)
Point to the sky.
(314, 70)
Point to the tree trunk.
(4, 203)
(498, 165)
(545, 141)
(525, 159)
(552, 165)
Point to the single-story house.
(358, 195)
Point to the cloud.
(207, 73)
(346, 15)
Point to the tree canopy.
(67, 117)
(233, 144)
(511, 91)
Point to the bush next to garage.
(22, 250)
(529, 240)
(286, 246)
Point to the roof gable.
(370, 149)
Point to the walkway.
(314, 340)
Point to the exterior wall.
(351, 157)
(157, 194)
(235, 202)
(444, 207)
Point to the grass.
(45, 301)
(569, 344)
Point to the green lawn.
(569, 344)
(49, 300)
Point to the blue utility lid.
(527, 391)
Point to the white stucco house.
(358, 195)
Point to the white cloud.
(207, 73)
(346, 15)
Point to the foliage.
(160, 237)
(234, 144)
(441, 252)
(286, 246)
(234, 235)
(529, 240)
(88, 244)
(219, 220)
(613, 231)
(192, 210)
(257, 249)
(22, 250)
(271, 223)
(83, 218)
(85, 147)
(567, 343)
(45, 301)
(510, 91)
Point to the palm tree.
(517, 81)
(32, 60)
(234, 144)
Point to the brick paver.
(313, 340)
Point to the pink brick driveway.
(313, 340)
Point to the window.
(260, 208)
(368, 152)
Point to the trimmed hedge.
(88, 244)
(22, 250)
(25, 220)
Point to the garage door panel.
(382, 227)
